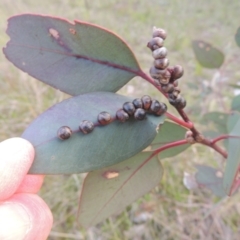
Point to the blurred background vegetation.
(170, 211)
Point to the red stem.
(234, 187)
(188, 125)
(222, 137)
(235, 184)
(170, 145)
(214, 146)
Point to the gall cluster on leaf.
(138, 109)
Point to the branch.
(188, 125)
(214, 146)
(170, 145)
(222, 137)
(186, 119)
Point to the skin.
(23, 214)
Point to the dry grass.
(170, 211)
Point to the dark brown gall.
(140, 114)
(170, 69)
(175, 83)
(137, 102)
(122, 116)
(169, 88)
(176, 92)
(163, 109)
(155, 43)
(156, 73)
(171, 100)
(104, 118)
(158, 108)
(161, 63)
(172, 96)
(159, 53)
(179, 102)
(146, 100)
(86, 127)
(64, 132)
(162, 76)
(177, 72)
(159, 32)
(155, 106)
(165, 78)
(129, 108)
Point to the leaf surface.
(110, 190)
(233, 160)
(211, 178)
(169, 132)
(74, 57)
(236, 103)
(237, 37)
(105, 146)
(232, 120)
(207, 55)
(236, 86)
(218, 119)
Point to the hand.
(23, 214)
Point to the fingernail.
(15, 221)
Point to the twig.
(188, 125)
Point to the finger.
(16, 157)
(25, 216)
(31, 184)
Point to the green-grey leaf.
(105, 146)
(233, 160)
(74, 57)
(214, 134)
(211, 178)
(207, 55)
(236, 103)
(110, 190)
(218, 119)
(169, 132)
(232, 120)
(237, 37)
(234, 85)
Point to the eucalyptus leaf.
(214, 134)
(237, 37)
(233, 159)
(234, 85)
(105, 146)
(218, 119)
(169, 132)
(108, 191)
(74, 57)
(232, 120)
(236, 103)
(211, 178)
(207, 55)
